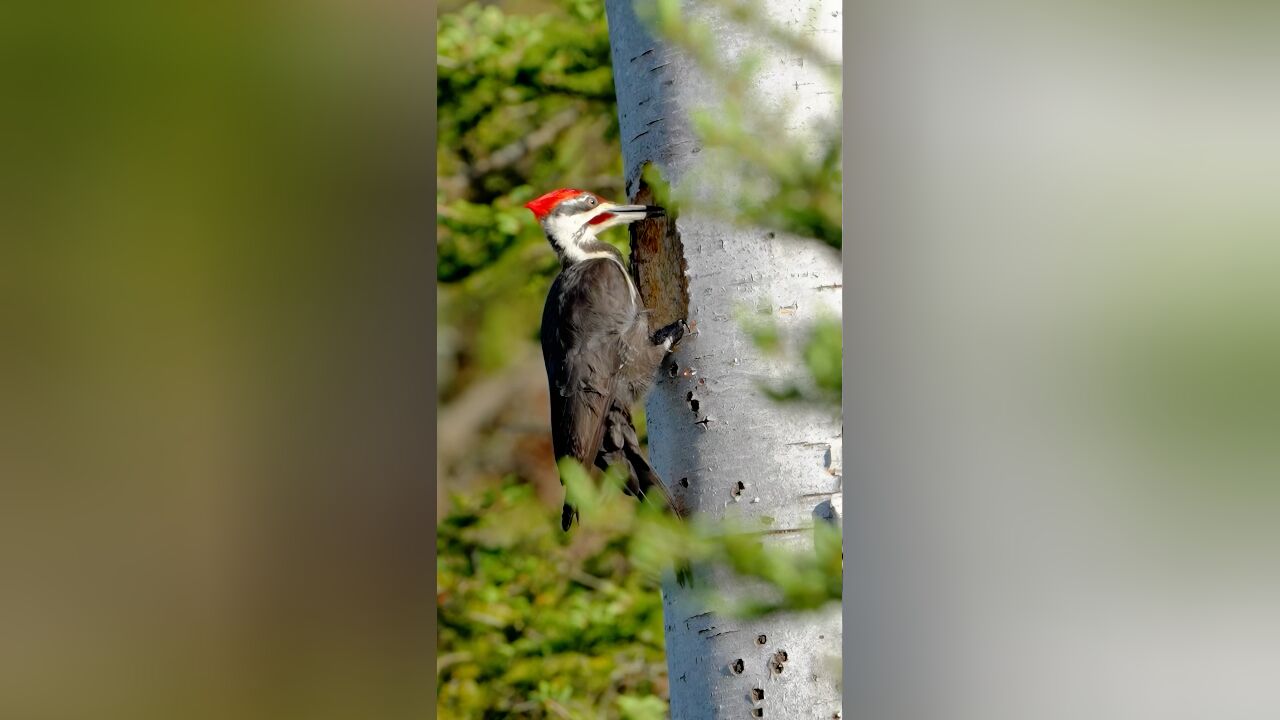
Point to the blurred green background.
(217, 407)
(215, 423)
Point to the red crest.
(546, 203)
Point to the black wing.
(588, 315)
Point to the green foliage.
(502, 76)
(537, 623)
(800, 581)
(642, 708)
(657, 542)
(822, 353)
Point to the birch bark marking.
(720, 444)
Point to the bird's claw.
(672, 334)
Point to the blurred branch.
(607, 185)
(515, 152)
(460, 422)
(448, 659)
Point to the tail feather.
(619, 446)
(641, 479)
(646, 479)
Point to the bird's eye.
(591, 201)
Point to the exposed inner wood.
(658, 265)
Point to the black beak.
(643, 211)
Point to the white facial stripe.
(635, 294)
(565, 229)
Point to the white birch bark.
(725, 448)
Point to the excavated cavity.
(778, 662)
(658, 265)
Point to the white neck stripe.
(576, 255)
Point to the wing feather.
(588, 314)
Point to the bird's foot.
(671, 335)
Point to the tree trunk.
(722, 445)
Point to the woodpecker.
(600, 353)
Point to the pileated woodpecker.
(600, 353)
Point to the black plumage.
(601, 357)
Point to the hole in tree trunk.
(658, 265)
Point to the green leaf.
(648, 707)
